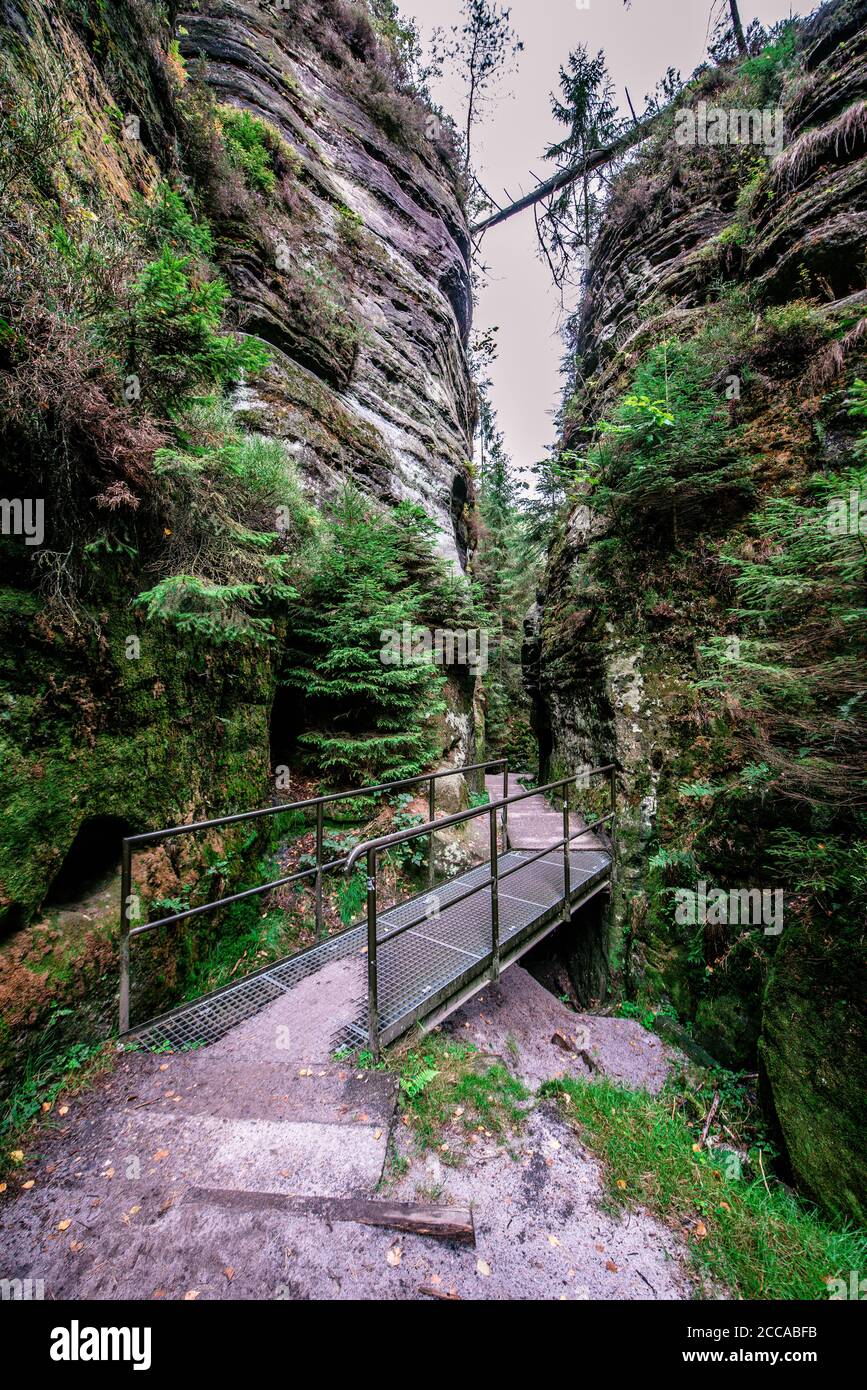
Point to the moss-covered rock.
(760, 261)
(812, 1053)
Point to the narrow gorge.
(265, 547)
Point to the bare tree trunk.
(471, 102)
(740, 40)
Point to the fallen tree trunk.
(597, 160)
(417, 1218)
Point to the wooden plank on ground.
(416, 1218)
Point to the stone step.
(301, 1157)
(307, 1129)
(205, 1083)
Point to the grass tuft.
(753, 1236)
(446, 1087)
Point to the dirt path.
(161, 1181)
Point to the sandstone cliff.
(747, 266)
(345, 251)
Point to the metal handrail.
(398, 837)
(149, 837)
(372, 848)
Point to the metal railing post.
(431, 808)
(125, 891)
(567, 867)
(613, 809)
(372, 994)
(505, 808)
(319, 838)
(495, 902)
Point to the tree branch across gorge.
(597, 160)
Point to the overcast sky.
(640, 44)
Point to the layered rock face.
(353, 269)
(359, 280)
(691, 239)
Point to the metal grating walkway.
(419, 971)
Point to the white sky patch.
(640, 44)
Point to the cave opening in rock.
(571, 962)
(285, 726)
(91, 860)
(459, 499)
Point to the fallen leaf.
(76, 1245)
(158, 1293)
(46, 1106)
(109, 1173)
(458, 1112)
(483, 1268)
(610, 1265)
(63, 1225)
(160, 1155)
(700, 1230)
(190, 1295)
(26, 1186)
(164, 1066)
(724, 1206)
(63, 1110)
(621, 1182)
(2, 1187)
(552, 1240)
(229, 1272)
(378, 1134)
(17, 1155)
(394, 1256)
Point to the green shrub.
(166, 220)
(250, 144)
(670, 447)
(233, 506)
(767, 70)
(799, 586)
(175, 340)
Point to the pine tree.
(478, 50)
(586, 106)
(366, 719)
(507, 581)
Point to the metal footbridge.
(423, 957)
